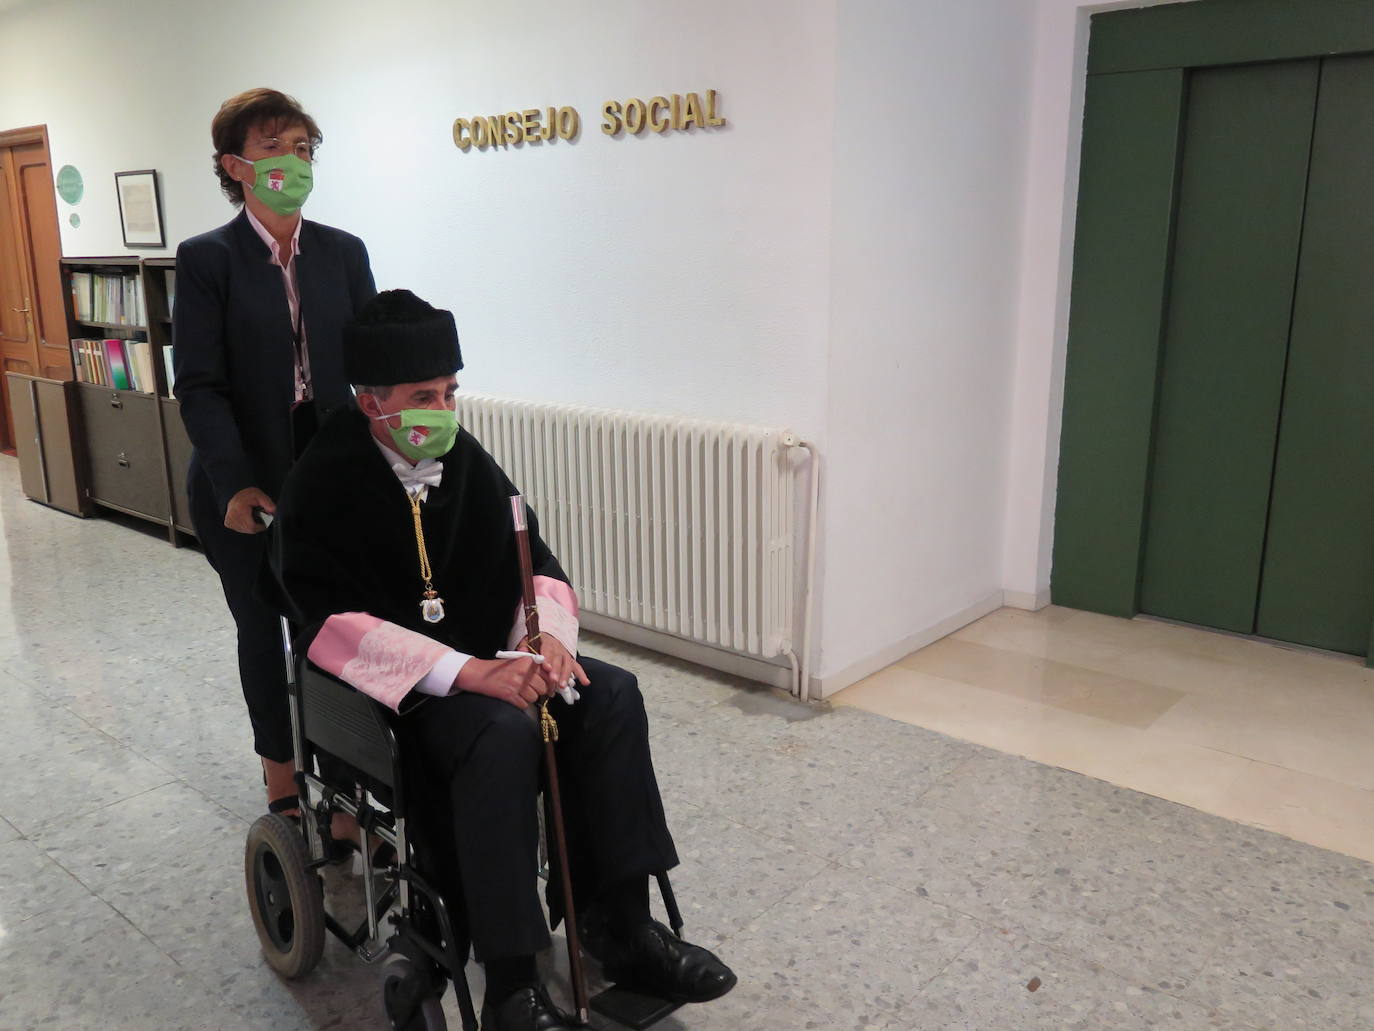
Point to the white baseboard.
(1022, 600)
(692, 651)
(824, 687)
(780, 676)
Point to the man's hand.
(558, 665)
(516, 681)
(239, 515)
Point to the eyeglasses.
(303, 149)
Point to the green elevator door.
(1246, 141)
(1261, 502)
(1318, 576)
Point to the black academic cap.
(399, 338)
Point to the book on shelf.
(81, 361)
(119, 371)
(121, 364)
(143, 365)
(107, 297)
(167, 367)
(171, 292)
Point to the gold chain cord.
(425, 572)
(547, 723)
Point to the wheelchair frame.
(333, 722)
(331, 718)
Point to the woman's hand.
(240, 517)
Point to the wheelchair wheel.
(284, 895)
(408, 997)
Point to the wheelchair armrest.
(348, 725)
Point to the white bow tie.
(417, 479)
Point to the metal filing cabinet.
(48, 439)
(125, 457)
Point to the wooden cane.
(549, 727)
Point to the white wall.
(669, 272)
(931, 118)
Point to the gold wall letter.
(569, 123)
(711, 118)
(658, 120)
(634, 115)
(529, 124)
(612, 124)
(460, 137)
(691, 111)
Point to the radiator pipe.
(804, 684)
(795, 689)
(801, 669)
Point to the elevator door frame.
(1138, 65)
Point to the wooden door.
(33, 334)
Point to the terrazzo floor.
(856, 871)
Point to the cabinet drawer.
(125, 450)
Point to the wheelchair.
(347, 761)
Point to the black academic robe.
(346, 540)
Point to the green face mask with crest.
(283, 182)
(424, 432)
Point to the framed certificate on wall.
(140, 208)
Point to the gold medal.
(431, 605)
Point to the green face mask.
(424, 432)
(282, 182)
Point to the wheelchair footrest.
(632, 1009)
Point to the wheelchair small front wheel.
(408, 997)
(284, 895)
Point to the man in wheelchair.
(396, 554)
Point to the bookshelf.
(112, 436)
(131, 441)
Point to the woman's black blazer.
(234, 349)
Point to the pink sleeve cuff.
(557, 605)
(382, 660)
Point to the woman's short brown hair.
(265, 107)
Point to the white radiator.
(679, 525)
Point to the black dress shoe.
(527, 1009)
(652, 959)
